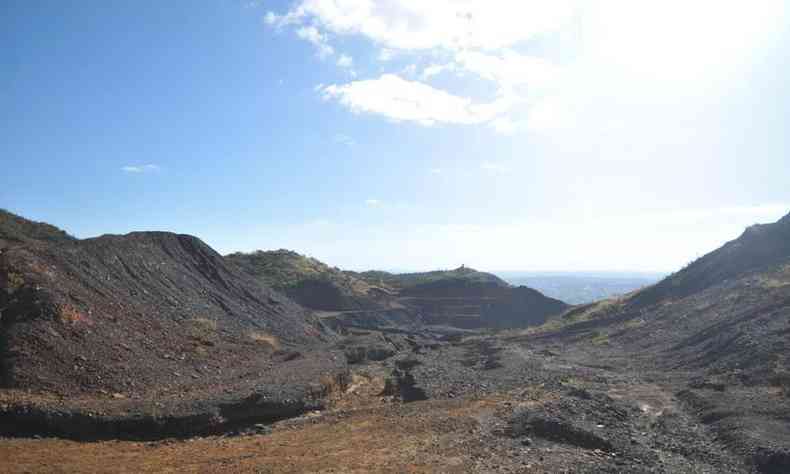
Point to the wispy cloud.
(344, 140)
(372, 202)
(317, 39)
(403, 100)
(475, 38)
(150, 168)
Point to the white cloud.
(317, 39)
(344, 140)
(471, 31)
(402, 100)
(372, 202)
(140, 168)
(592, 55)
(435, 171)
(425, 25)
(345, 61)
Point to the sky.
(403, 134)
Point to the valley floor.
(481, 404)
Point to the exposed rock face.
(133, 314)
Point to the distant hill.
(307, 280)
(408, 282)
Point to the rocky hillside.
(133, 314)
(724, 322)
(729, 309)
(309, 281)
(761, 248)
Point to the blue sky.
(505, 135)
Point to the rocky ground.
(504, 403)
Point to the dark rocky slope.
(718, 330)
(148, 315)
(762, 247)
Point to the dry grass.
(776, 279)
(203, 332)
(634, 323)
(15, 281)
(771, 283)
(264, 338)
(577, 315)
(600, 338)
(397, 439)
(204, 325)
(71, 315)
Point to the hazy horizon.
(568, 136)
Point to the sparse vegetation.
(407, 280)
(579, 314)
(599, 338)
(15, 281)
(634, 323)
(266, 339)
(307, 280)
(287, 269)
(13, 227)
(203, 326)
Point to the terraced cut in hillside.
(467, 298)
